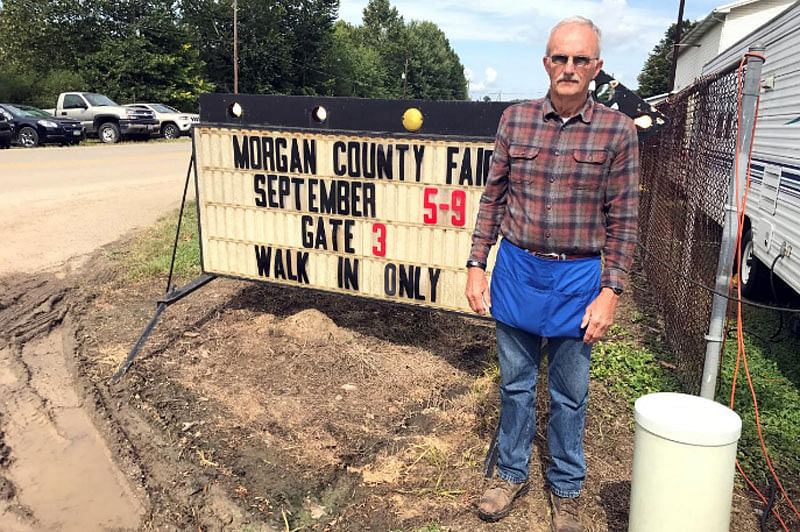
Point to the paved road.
(61, 203)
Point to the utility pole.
(405, 79)
(235, 47)
(676, 46)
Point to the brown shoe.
(566, 516)
(496, 501)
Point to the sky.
(501, 42)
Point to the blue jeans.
(519, 353)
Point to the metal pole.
(235, 47)
(730, 228)
(676, 46)
(405, 79)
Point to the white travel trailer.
(771, 236)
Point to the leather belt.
(560, 256)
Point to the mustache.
(567, 77)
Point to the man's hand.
(599, 315)
(478, 290)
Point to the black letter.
(342, 189)
(258, 186)
(255, 153)
(390, 279)
(281, 163)
(348, 236)
(283, 189)
(384, 162)
(310, 156)
(401, 152)
(269, 156)
(338, 169)
(279, 272)
(406, 282)
(322, 241)
(419, 151)
(328, 198)
(297, 182)
(451, 151)
(416, 272)
(351, 274)
(368, 163)
(295, 165)
(263, 257)
(369, 200)
(335, 224)
(302, 264)
(289, 265)
(271, 178)
(433, 275)
(355, 197)
(241, 157)
(347, 273)
(466, 169)
(312, 195)
(353, 166)
(308, 236)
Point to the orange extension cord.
(741, 356)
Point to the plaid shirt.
(558, 187)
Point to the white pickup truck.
(103, 118)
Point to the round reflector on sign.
(412, 119)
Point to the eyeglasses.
(580, 61)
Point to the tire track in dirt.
(57, 472)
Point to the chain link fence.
(685, 174)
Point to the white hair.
(577, 19)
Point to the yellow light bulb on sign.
(412, 119)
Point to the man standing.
(563, 191)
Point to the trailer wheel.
(754, 275)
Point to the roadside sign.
(383, 214)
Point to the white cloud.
(625, 28)
(520, 29)
(490, 76)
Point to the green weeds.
(629, 369)
(149, 254)
(775, 373)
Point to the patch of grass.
(432, 454)
(775, 372)
(631, 370)
(150, 253)
(439, 460)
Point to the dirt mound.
(312, 327)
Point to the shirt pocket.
(522, 162)
(589, 167)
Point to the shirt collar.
(585, 114)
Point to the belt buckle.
(554, 256)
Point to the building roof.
(717, 16)
(733, 5)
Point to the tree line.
(173, 51)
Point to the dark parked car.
(5, 132)
(31, 126)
